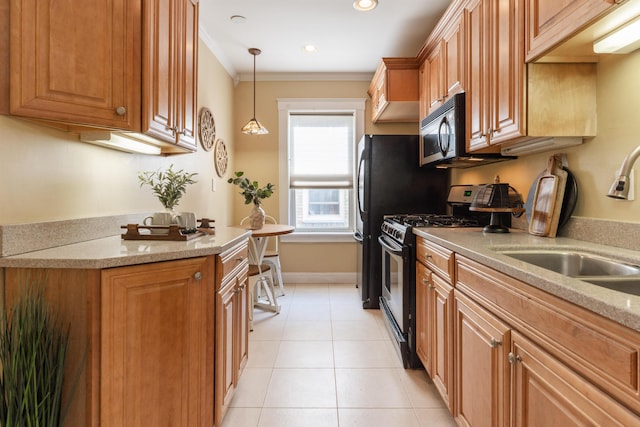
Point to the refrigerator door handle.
(358, 183)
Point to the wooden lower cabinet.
(158, 344)
(232, 335)
(481, 390)
(232, 325)
(440, 302)
(155, 368)
(504, 353)
(545, 392)
(434, 318)
(423, 338)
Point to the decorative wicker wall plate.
(221, 157)
(206, 128)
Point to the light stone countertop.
(113, 251)
(483, 248)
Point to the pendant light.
(253, 127)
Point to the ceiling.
(347, 41)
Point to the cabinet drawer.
(601, 350)
(437, 258)
(230, 262)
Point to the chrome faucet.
(620, 187)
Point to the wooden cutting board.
(561, 176)
(547, 201)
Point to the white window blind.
(321, 150)
(317, 166)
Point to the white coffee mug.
(158, 218)
(186, 220)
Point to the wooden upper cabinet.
(444, 66)
(107, 64)
(453, 61)
(435, 79)
(423, 85)
(550, 22)
(495, 66)
(76, 65)
(394, 91)
(169, 70)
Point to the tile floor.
(326, 362)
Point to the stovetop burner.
(432, 220)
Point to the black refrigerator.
(390, 181)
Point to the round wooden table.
(260, 238)
(257, 248)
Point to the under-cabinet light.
(624, 39)
(119, 142)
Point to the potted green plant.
(253, 193)
(168, 186)
(33, 347)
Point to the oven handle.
(389, 247)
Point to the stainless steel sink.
(574, 263)
(626, 284)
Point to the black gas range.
(398, 244)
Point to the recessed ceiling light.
(310, 48)
(238, 19)
(365, 5)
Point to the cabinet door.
(242, 323)
(453, 57)
(435, 93)
(507, 71)
(423, 88)
(546, 392)
(155, 369)
(232, 336)
(549, 22)
(76, 64)
(188, 99)
(423, 282)
(481, 368)
(440, 302)
(169, 71)
(477, 82)
(225, 337)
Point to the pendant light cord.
(254, 84)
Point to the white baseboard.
(336, 278)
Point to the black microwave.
(443, 138)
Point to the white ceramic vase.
(256, 217)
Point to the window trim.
(286, 105)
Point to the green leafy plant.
(169, 186)
(251, 189)
(33, 347)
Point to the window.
(318, 138)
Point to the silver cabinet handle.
(197, 276)
(121, 111)
(513, 358)
(494, 343)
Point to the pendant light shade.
(253, 127)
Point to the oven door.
(393, 278)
